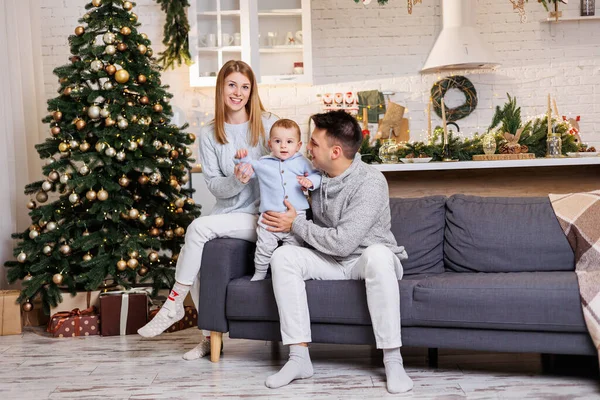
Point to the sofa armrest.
(222, 261)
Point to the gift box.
(74, 323)
(189, 320)
(10, 313)
(81, 300)
(123, 313)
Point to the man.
(351, 239)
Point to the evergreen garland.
(176, 32)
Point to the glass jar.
(388, 151)
(488, 141)
(554, 146)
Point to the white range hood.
(459, 45)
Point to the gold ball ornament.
(133, 17)
(110, 69)
(91, 195)
(80, 30)
(41, 196)
(84, 146)
(96, 65)
(57, 115)
(87, 257)
(124, 216)
(121, 265)
(31, 204)
(94, 112)
(158, 221)
(169, 234)
(144, 100)
(142, 49)
(184, 179)
(142, 78)
(27, 278)
(110, 152)
(109, 122)
(108, 85)
(143, 217)
(121, 156)
(157, 108)
(173, 182)
(127, 5)
(174, 154)
(133, 254)
(122, 124)
(109, 38)
(144, 36)
(65, 178)
(55, 130)
(179, 202)
(153, 256)
(143, 271)
(27, 306)
(122, 46)
(192, 137)
(65, 249)
(143, 180)
(179, 231)
(67, 91)
(124, 181)
(57, 278)
(175, 257)
(86, 233)
(122, 76)
(189, 201)
(80, 124)
(62, 147)
(100, 146)
(22, 257)
(96, 3)
(134, 213)
(102, 195)
(179, 210)
(132, 263)
(125, 31)
(154, 232)
(149, 53)
(53, 176)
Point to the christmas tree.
(115, 167)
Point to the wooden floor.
(34, 366)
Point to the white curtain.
(22, 106)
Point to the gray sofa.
(483, 273)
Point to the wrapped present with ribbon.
(10, 313)
(74, 323)
(189, 320)
(124, 312)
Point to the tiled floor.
(34, 366)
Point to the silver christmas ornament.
(46, 186)
(65, 249)
(123, 124)
(51, 226)
(110, 50)
(121, 156)
(47, 250)
(22, 257)
(73, 198)
(157, 144)
(53, 176)
(102, 195)
(84, 146)
(132, 145)
(84, 170)
(143, 217)
(33, 234)
(96, 65)
(167, 147)
(65, 178)
(109, 38)
(111, 152)
(108, 86)
(134, 213)
(74, 144)
(104, 113)
(94, 112)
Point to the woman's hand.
(243, 172)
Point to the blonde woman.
(240, 123)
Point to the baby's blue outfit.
(277, 181)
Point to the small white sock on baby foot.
(259, 276)
(397, 379)
(201, 350)
(171, 312)
(298, 367)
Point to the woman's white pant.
(378, 266)
(200, 231)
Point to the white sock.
(171, 312)
(259, 275)
(298, 367)
(201, 350)
(397, 379)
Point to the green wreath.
(439, 89)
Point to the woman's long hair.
(254, 107)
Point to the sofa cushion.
(335, 302)
(524, 301)
(418, 225)
(504, 234)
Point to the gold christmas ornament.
(27, 306)
(121, 156)
(143, 217)
(157, 108)
(41, 196)
(67, 91)
(109, 38)
(105, 112)
(124, 181)
(31, 204)
(86, 233)
(144, 36)
(143, 271)
(75, 59)
(158, 221)
(84, 146)
(154, 232)
(184, 179)
(65, 249)
(91, 195)
(96, 3)
(127, 5)
(57, 278)
(27, 278)
(122, 76)
(144, 100)
(57, 115)
(153, 256)
(141, 78)
(122, 124)
(189, 201)
(149, 53)
(79, 30)
(62, 147)
(132, 263)
(102, 195)
(174, 154)
(143, 179)
(142, 49)
(133, 254)
(175, 257)
(122, 46)
(96, 65)
(173, 182)
(169, 234)
(87, 257)
(133, 17)
(110, 69)
(22, 257)
(110, 49)
(80, 124)
(55, 130)
(134, 213)
(65, 178)
(132, 145)
(179, 202)
(109, 122)
(121, 265)
(100, 146)
(124, 216)
(179, 231)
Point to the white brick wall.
(358, 48)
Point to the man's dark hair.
(341, 129)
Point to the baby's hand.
(241, 153)
(304, 181)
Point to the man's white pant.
(378, 266)
(200, 231)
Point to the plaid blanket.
(579, 217)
